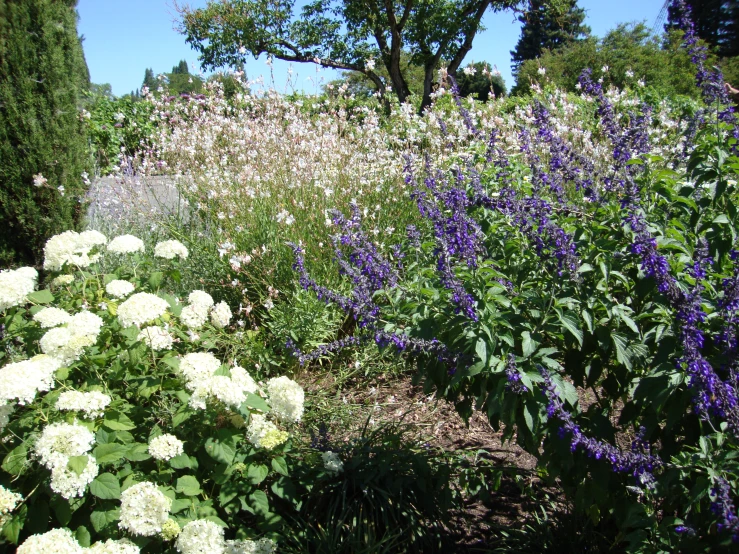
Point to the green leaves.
(41, 297)
(107, 453)
(188, 485)
(106, 487)
(15, 460)
(223, 447)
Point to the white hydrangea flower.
(194, 316)
(223, 389)
(165, 447)
(64, 345)
(156, 337)
(51, 317)
(8, 501)
(6, 410)
(332, 462)
(92, 404)
(169, 249)
(69, 248)
(264, 434)
(201, 536)
(126, 244)
(20, 381)
(220, 315)
(67, 482)
(261, 546)
(119, 288)
(141, 308)
(86, 324)
(63, 280)
(241, 379)
(144, 509)
(111, 546)
(15, 286)
(65, 439)
(286, 398)
(92, 238)
(56, 541)
(200, 298)
(198, 368)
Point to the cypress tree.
(546, 26)
(43, 75)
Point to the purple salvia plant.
(724, 509)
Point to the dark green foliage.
(149, 80)
(716, 22)
(548, 25)
(43, 74)
(661, 65)
(480, 83)
(180, 68)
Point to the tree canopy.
(355, 35)
(716, 22)
(548, 25)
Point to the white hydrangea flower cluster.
(51, 317)
(261, 546)
(195, 314)
(20, 381)
(112, 546)
(16, 285)
(141, 308)
(68, 342)
(56, 445)
(198, 369)
(201, 536)
(332, 462)
(56, 541)
(72, 248)
(170, 249)
(126, 244)
(165, 447)
(263, 433)
(63, 280)
(286, 398)
(118, 288)
(156, 337)
(8, 501)
(92, 404)
(220, 315)
(144, 509)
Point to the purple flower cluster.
(639, 461)
(515, 384)
(724, 509)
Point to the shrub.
(43, 147)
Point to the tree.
(43, 141)
(354, 35)
(716, 22)
(547, 26)
(149, 80)
(479, 78)
(629, 54)
(181, 68)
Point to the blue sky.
(124, 37)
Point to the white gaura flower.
(51, 317)
(126, 244)
(220, 315)
(141, 308)
(286, 399)
(165, 447)
(201, 536)
(170, 249)
(92, 404)
(144, 509)
(56, 541)
(119, 288)
(15, 286)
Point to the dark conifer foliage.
(716, 22)
(546, 26)
(43, 143)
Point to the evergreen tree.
(181, 68)
(716, 22)
(150, 80)
(43, 142)
(478, 78)
(548, 25)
